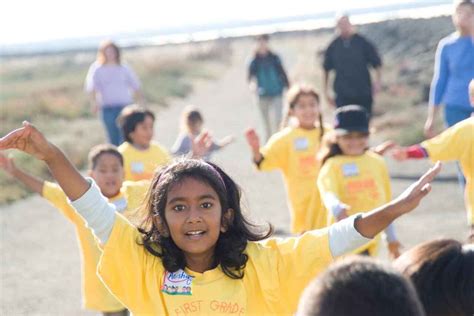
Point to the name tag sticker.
(350, 170)
(137, 167)
(177, 283)
(301, 143)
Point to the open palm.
(411, 197)
(29, 140)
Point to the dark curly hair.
(231, 245)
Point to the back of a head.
(442, 272)
(360, 286)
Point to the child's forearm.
(372, 223)
(31, 182)
(67, 176)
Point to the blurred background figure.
(350, 55)
(453, 70)
(268, 79)
(112, 86)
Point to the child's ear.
(227, 220)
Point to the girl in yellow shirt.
(293, 152)
(106, 168)
(353, 179)
(141, 154)
(196, 253)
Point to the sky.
(24, 21)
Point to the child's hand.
(29, 140)
(226, 140)
(394, 249)
(7, 164)
(399, 153)
(201, 144)
(411, 197)
(382, 148)
(252, 139)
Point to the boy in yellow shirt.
(141, 154)
(455, 143)
(106, 168)
(196, 253)
(293, 152)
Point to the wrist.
(53, 154)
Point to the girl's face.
(110, 54)
(193, 214)
(306, 110)
(195, 127)
(353, 144)
(108, 174)
(143, 133)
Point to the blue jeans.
(109, 117)
(452, 116)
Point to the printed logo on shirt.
(350, 170)
(177, 283)
(137, 167)
(301, 143)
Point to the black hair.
(191, 115)
(443, 274)
(230, 247)
(130, 117)
(97, 151)
(359, 286)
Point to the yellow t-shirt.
(293, 152)
(95, 295)
(362, 182)
(141, 164)
(276, 273)
(457, 143)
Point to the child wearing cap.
(353, 179)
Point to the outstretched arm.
(31, 141)
(31, 182)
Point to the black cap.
(351, 118)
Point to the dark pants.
(109, 118)
(364, 101)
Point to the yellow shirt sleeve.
(298, 261)
(328, 182)
(53, 193)
(275, 153)
(451, 144)
(129, 271)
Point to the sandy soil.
(40, 273)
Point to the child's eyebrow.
(182, 198)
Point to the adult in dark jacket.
(268, 79)
(350, 55)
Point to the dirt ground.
(40, 262)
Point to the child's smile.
(193, 216)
